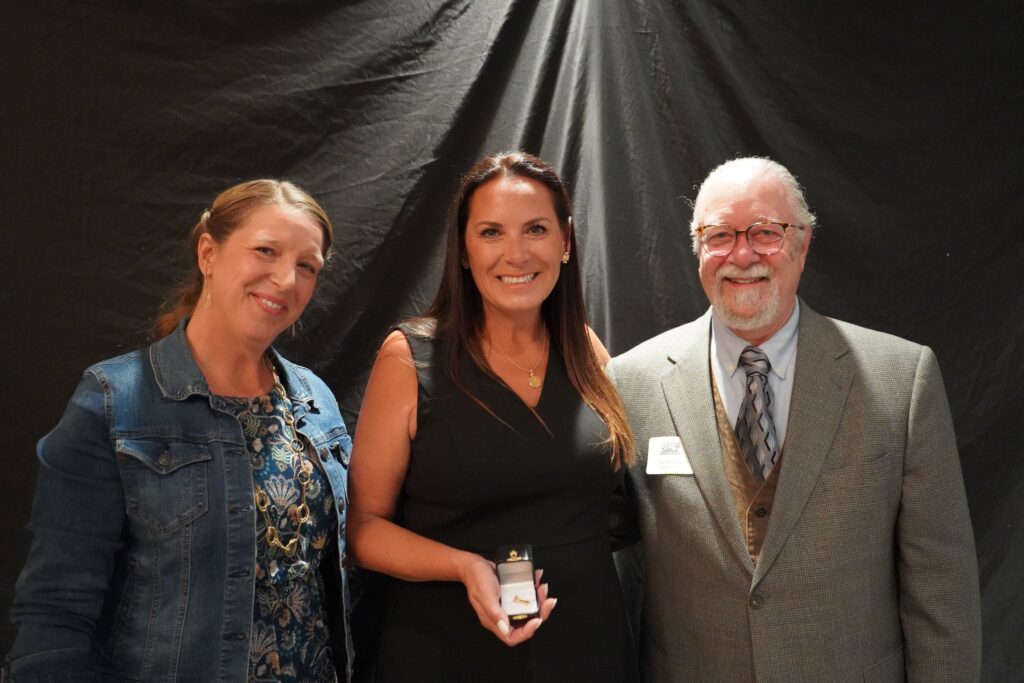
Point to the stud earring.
(565, 257)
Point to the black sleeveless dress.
(474, 483)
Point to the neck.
(513, 334)
(230, 368)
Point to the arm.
(77, 520)
(939, 601)
(380, 460)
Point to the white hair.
(757, 167)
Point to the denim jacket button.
(341, 504)
(164, 459)
(323, 454)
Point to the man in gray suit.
(797, 480)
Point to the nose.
(283, 275)
(515, 249)
(742, 255)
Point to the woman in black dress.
(487, 422)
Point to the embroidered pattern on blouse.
(289, 641)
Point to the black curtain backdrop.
(119, 122)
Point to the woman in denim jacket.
(188, 523)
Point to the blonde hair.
(228, 211)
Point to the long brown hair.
(228, 212)
(456, 314)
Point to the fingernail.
(554, 601)
(503, 628)
(544, 586)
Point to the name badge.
(665, 455)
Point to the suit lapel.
(820, 388)
(687, 387)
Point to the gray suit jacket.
(868, 570)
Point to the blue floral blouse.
(290, 640)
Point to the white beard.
(765, 302)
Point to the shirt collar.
(780, 347)
(179, 377)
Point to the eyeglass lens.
(764, 238)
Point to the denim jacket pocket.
(165, 483)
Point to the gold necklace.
(535, 381)
(304, 472)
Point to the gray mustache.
(756, 270)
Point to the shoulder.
(889, 367)
(860, 336)
(873, 349)
(657, 350)
(396, 345)
(124, 368)
(91, 412)
(415, 338)
(398, 359)
(123, 380)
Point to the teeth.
(271, 304)
(510, 280)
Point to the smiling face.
(513, 245)
(262, 276)
(753, 295)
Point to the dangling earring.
(207, 301)
(465, 264)
(565, 254)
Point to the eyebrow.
(276, 242)
(531, 221)
(757, 219)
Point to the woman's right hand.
(484, 595)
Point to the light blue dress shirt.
(780, 348)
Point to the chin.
(266, 334)
(747, 315)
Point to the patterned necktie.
(755, 428)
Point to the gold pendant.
(535, 381)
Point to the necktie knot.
(754, 361)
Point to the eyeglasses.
(764, 237)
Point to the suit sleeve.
(77, 518)
(938, 573)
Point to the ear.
(805, 246)
(205, 253)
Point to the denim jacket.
(144, 529)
